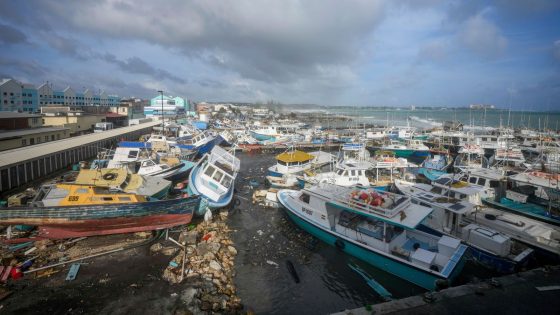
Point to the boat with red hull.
(68, 221)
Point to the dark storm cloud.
(28, 67)
(10, 35)
(271, 41)
(135, 65)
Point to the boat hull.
(485, 258)
(206, 202)
(78, 221)
(409, 273)
(261, 137)
(529, 210)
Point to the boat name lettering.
(309, 212)
(73, 198)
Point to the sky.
(355, 53)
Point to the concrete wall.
(77, 124)
(36, 138)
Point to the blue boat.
(213, 178)
(378, 228)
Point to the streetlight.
(162, 117)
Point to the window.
(226, 182)
(32, 141)
(218, 176)
(209, 171)
(23, 142)
(58, 136)
(482, 181)
(46, 138)
(494, 183)
(304, 197)
(472, 180)
(52, 137)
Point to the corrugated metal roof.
(17, 115)
(25, 132)
(31, 152)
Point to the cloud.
(10, 35)
(272, 41)
(483, 37)
(136, 65)
(556, 49)
(67, 46)
(29, 67)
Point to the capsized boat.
(213, 178)
(120, 180)
(489, 247)
(379, 228)
(69, 210)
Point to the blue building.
(17, 96)
(172, 106)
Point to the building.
(171, 106)
(78, 122)
(21, 129)
(481, 106)
(20, 97)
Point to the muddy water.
(266, 239)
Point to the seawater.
(476, 117)
(266, 238)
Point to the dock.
(530, 292)
(22, 166)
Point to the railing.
(362, 206)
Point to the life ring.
(109, 176)
(339, 244)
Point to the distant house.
(452, 125)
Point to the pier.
(21, 166)
(530, 292)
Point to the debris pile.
(206, 266)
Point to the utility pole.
(162, 117)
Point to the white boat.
(494, 249)
(348, 173)
(379, 228)
(213, 178)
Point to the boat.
(378, 228)
(70, 210)
(213, 177)
(120, 180)
(489, 247)
(348, 173)
(534, 194)
(201, 143)
(143, 162)
(294, 162)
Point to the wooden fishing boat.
(68, 210)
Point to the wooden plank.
(6, 274)
(73, 272)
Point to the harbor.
(279, 157)
(269, 254)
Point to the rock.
(143, 234)
(188, 238)
(209, 256)
(215, 265)
(156, 247)
(232, 251)
(187, 296)
(260, 232)
(168, 251)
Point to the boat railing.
(398, 205)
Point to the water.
(488, 118)
(326, 285)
